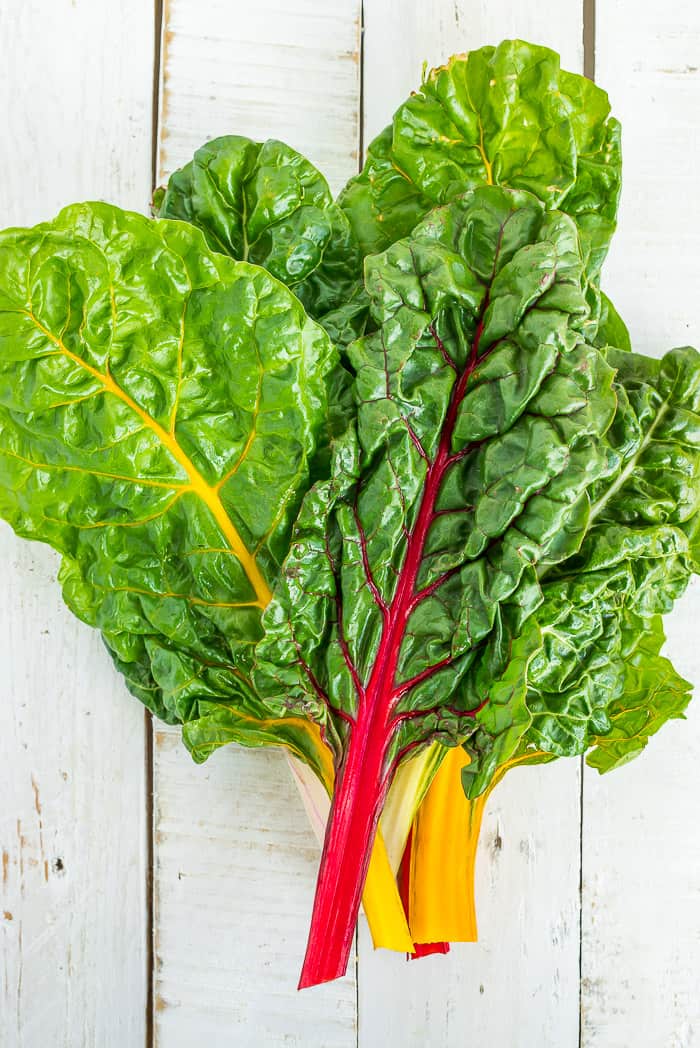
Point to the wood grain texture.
(519, 984)
(267, 69)
(75, 99)
(528, 891)
(641, 857)
(235, 858)
(72, 830)
(235, 865)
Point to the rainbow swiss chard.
(166, 478)
(495, 507)
(481, 413)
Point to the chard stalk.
(369, 768)
(381, 902)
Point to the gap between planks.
(589, 42)
(149, 732)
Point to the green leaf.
(506, 115)
(601, 603)
(487, 280)
(612, 330)
(505, 716)
(265, 203)
(655, 439)
(257, 201)
(160, 410)
(598, 613)
(653, 694)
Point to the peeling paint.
(37, 801)
(22, 845)
(37, 808)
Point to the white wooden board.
(234, 859)
(235, 865)
(641, 857)
(266, 69)
(75, 122)
(228, 961)
(528, 892)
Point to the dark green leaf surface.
(265, 203)
(506, 115)
(160, 406)
(480, 415)
(599, 616)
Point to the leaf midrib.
(209, 494)
(630, 466)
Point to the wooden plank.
(641, 855)
(235, 859)
(519, 985)
(265, 69)
(75, 98)
(234, 875)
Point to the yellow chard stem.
(380, 900)
(446, 832)
(445, 839)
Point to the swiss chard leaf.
(266, 203)
(480, 414)
(505, 115)
(652, 694)
(612, 330)
(160, 410)
(598, 620)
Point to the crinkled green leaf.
(653, 693)
(160, 408)
(257, 201)
(480, 415)
(506, 115)
(612, 330)
(265, 203)
(590, 623)
(601, 605)
(501, 678)
(656, 435)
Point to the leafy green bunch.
(374, 479)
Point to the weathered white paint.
(235, 861)
(641, 857)
(75, 99)
(528, 891)
(235, 857)
(264, 69)
(234, 874)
